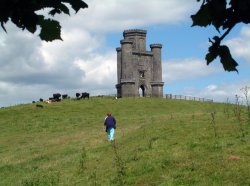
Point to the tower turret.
(126, 56)
(157, 67)
(119, 63)
(157, 84)
(127, 81)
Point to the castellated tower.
(139, 72)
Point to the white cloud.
(100, 70)
(221, 92)
(240, 46)
(111, 15)
(186, 69)
(183, 70)
(76, 44)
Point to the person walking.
(110, 126)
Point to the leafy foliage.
(24, 14)
(223, 15)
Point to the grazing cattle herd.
(58, 97)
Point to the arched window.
(141, 74)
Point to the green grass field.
(158, 142)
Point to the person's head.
(109, 114)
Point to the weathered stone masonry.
(138, 70)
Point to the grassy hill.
(158, 142)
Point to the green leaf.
(50, 29)
(31, 29)
(202, 17)
(3, 18)
(54, 11)
(76, 4)
(64, 9)
(226, 59)
(2, 25)
(60, 9)
(30, 20)
(210, 57)
(218, 12)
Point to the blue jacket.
(110, 122)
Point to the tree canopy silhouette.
(223, 15)
(24, 14)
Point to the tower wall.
(127, 89)
(138, 69)
(157, 90)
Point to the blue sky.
(31, 69)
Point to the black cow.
(85, 95)
(39, 106)
(57, 96)
(78, 95)
(65, 96)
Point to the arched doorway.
(142, 91)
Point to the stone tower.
(139, 72)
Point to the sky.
(85, 61)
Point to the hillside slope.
(158, 142)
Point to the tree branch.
(226, 33)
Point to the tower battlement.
(156, 45)
(132, 32)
